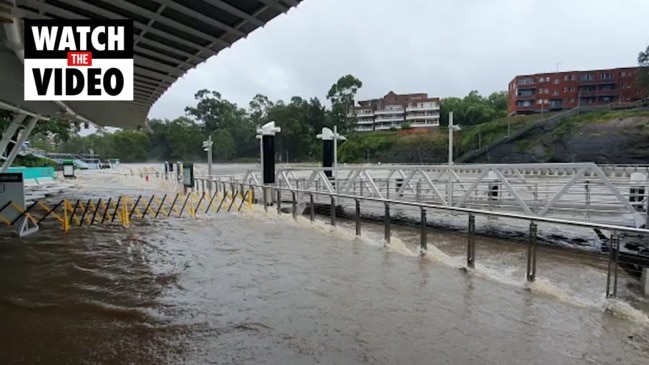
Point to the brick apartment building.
(564, 90)
(392, 110)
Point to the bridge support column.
(8, 157)
(644, 281)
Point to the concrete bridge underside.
(171, 37)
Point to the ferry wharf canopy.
(170, 37)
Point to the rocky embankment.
(602, 137)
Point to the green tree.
(342, 95)
(643, 62)
(474, 108)
(224, 145)
(215, 113)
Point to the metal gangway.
(584, 192)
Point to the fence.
(272, 195)
(124, 209)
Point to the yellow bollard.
(65, 222)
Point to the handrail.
(525, 217)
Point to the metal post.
(613, 259)
(470, 256)
(336, 158)
(209, 156)
(386, 223)
(616, 246)
(265, 198)
(423, 242)
(333, 211)
(279, 201)
(419, 191)
(531, 253)
(450, 155)
(587, 199)
(358, 217)
(311, 207)
(294, 205)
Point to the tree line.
(233, 128)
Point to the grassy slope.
(426, 145)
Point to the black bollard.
(328, 156)
(269, 158)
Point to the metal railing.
(274, 193)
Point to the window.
(623, 74)
(540, 79)
(586, 77)
(565, 89)
(572, 100)
(547, 91)
(573, 77)
(606, 76)
(555, 93)
(572, 88)
(556, 81)
(565, 78)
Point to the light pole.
(261, 151)
(207, 146)
(451, 128)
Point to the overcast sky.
(444, 48)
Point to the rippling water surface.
(254, 288)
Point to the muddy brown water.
(255, 288)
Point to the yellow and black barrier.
(71, 213)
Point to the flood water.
(256, 288)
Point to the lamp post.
(451, 128)
(330, 152)
(207, 147)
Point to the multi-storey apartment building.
(565, 90)
(394, 110)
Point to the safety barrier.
(123, 209)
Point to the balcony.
(525, 97)
(388, 111)
(389, 118)
(365, 121)
(611, 92)
(422, 108)
(364, 128)
(598, 82)
(530, 82)
(422, 116)
(425, 124)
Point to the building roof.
(392, 98)
(171, 37)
